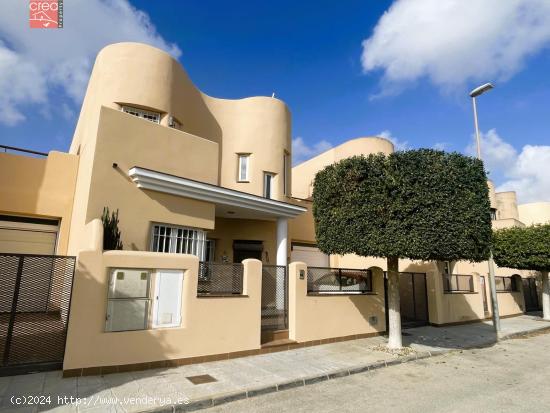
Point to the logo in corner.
(46, 14)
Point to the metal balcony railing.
(323, 280)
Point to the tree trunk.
(545, 296)
(394, 310)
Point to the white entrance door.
(310, 255)
(167, 306)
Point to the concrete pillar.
(282, 260)
(282, 241)
(545, 296)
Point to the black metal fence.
(458, 283)
(274, 297)
(321, 280)
(35, 294)
(220, 279)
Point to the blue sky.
(409, 81)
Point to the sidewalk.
(162, 389)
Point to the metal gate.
(413, 298)
(35, 294)
(530, 294)
(274, 297)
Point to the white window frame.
(178, 240)
(240, 177)
(268, 193)
(211, 249)
(142, 113)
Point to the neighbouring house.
(211, 213)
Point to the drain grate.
(201, 379)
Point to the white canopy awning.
(175, 185)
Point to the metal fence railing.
(220, 279)
(321, 280)
(35, 293)
(458, 283)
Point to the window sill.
(460, 292)
(222, 296)
(243, 182)
(338, 294)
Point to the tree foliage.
(111, 233)
(421, 204)
(523, 248)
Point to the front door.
(530, 294)
(243, 249)
(413, 299)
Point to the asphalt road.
(513, 376)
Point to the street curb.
(223, 398)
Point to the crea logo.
(46, 14)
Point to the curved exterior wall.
(534, 213)
(213, 131)
(507, 205)
(143, 76)
(492, 194)
(304, 173)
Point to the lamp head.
(481, 89)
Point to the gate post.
(13, 311)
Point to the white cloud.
(454, 42)
(524, 172)
(33, 62)
(496, 153)
(529, 175)
(398, 144)
(301, 151)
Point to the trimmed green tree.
(111, 233)
(422, 204)
(526, 249)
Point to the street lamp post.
(492, 285)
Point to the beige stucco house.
(211, 213)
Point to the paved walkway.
(162, 389)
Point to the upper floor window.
(286, 170)
(268, 185)
(142, 113)
(493, 214)
(179, 240)
(244, 166)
